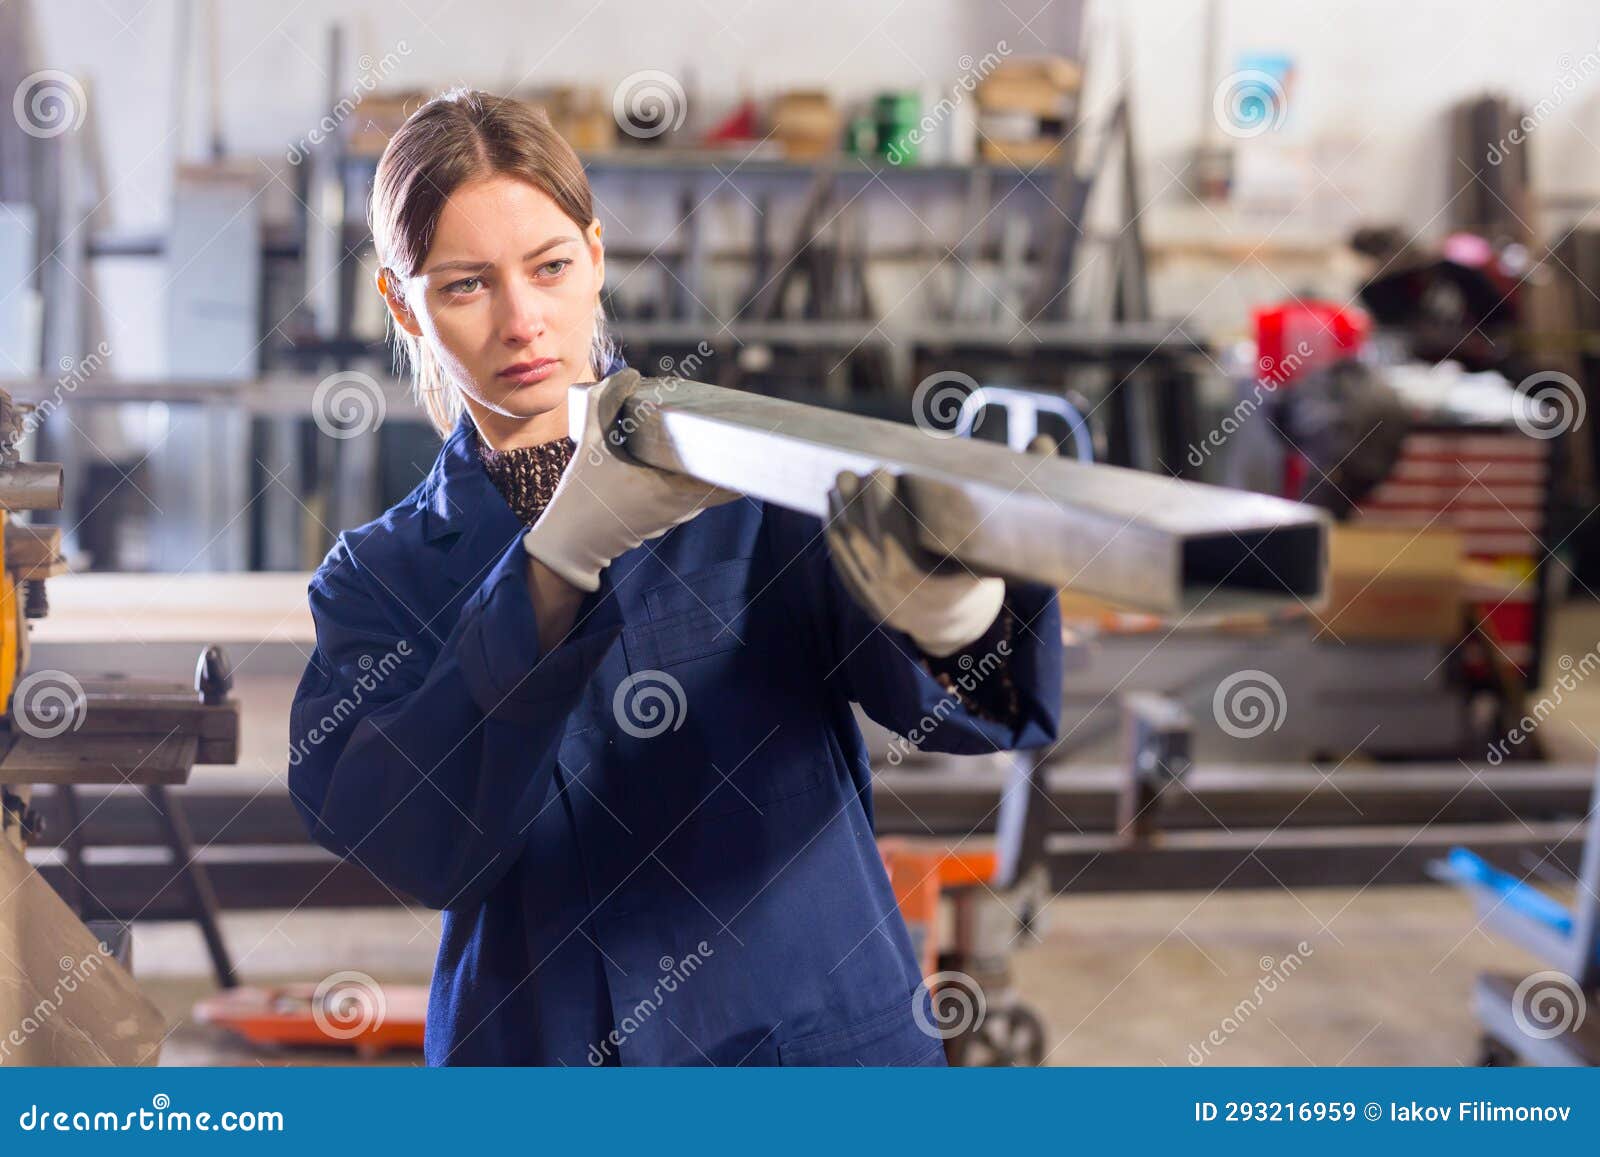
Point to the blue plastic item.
(1469, 867)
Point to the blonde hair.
(462, 135)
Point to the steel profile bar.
(1141, 540)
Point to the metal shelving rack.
(834, 347)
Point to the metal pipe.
(1136, 539)
(30, 486)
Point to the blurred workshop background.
(1340, 252)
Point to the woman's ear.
(389, 287)
(597, 252)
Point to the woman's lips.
(524, 373)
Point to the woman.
(601, 714)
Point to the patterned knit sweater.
(526, 476)
(978, 675)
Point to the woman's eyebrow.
(469, 266)
(550, 244)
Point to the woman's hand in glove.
(873, 543)
(607, 503)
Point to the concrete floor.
(1133, 980)
(1143, 979)
(1384, 979)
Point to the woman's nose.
(521, 313)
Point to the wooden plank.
(124, 721)
(114, 759)
(137, 715)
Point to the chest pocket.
(713, 648)
(699, 613)
(729, 579)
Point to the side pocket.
(890, 1037)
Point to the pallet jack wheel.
(1012, 1037)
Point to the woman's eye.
(554, 268)
(465, 285)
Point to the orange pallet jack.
(974, 1007)
(966, 910)
(347, 1010)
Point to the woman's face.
(506, 298)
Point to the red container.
(1295, 337)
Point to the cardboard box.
(1393, 583)
(806, 123)
(581, 114)
(1042, 87)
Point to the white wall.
(1383, 73)
(1374, 82)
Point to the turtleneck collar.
(526, 476)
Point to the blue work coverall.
(652, 844)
